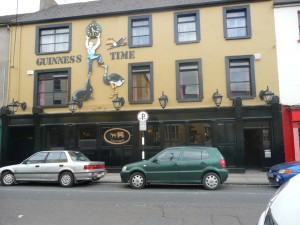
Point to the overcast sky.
(9, 7)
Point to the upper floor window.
(140, 31)
(240, 76)
(140, 82)
(52, 87)
(237, 22)
(189, 85)
(187, 27)
(53, 38)
(299, 24)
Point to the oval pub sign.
(117, 136)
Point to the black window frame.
(38, 31)
(132, 19)
(197, 22)
(200, 78)
(252, 82)
(38, 73)
(246, 9)
(131, 66)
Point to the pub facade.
(81, 73)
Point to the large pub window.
(87, 138)
(152, 135)
(174, 134)
(200, 134)
(55, 137)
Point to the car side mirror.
(155, 160)
(24, 162)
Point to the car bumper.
(124, 177)
(90, 175)
(275, 179)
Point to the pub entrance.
(257, 148)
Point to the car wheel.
(211, 181)
(7, 179)
(137, 180)
(66, 179)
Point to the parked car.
(188, 164)
(283, 208)
(282, 172)
(65, 167)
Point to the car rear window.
(78, 156)
(195, 154)
(56, 157)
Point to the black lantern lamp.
(217, 97)
(74, 104)
(266, 95)
(163, 100)
(118, 102)
(14, 105)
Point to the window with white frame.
(53, 38)
(187, 27)
(240, 76)
(237, 22)
(140, 31)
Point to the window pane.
(170, 155)
(140, 32)
(186, 18)
(55, 138)
(153, 135)
(240, 89)
(141, 86)
(189, 81)
(37, 158)
(200, 133)
(186, 28)
(192, 155)
(236, 23)
(174, 134)
(87, 138)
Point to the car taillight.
(223, 163)
(94, 167)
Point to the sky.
(9, 7)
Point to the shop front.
(248, 137)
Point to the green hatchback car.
(187, 165)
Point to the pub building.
(200, 72)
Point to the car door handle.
(61, 165)
(203, 164)
(37, 166)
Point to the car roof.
(286, 202)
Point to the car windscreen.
(78, 156)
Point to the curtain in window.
(140, 32)
(240, 78)
(186, 28)
(236, 24)
(189, 81)
(55, 40)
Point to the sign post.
(142, 117)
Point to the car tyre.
(66, 179)
(8, 179)
(137, 180)
(211, 181)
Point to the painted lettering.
(58, 60)
(122, 55)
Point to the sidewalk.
(248, 178)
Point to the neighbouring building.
(91, 55)
(287, 26)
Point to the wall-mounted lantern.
(118, 102)
(266, 95)
(163, 100)
(217, 98)
(14, 105)
(74, 104)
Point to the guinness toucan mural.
(114, 80)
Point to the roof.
(4, 20)
(113, 7)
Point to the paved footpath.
(248, 178)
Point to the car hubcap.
(65, 179)
(211, 181)
(8, 179)
(137, 180)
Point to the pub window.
(55, 137)
(53, 38)
(140, 82)
(87, 138)
(174, 134)
(189, 85)
(237, 22)
(152, 135)
(187, 27)
(240, 77)
(140, 31)
(200, 134)
(52, 87)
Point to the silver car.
(65, 167)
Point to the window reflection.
(200, 133)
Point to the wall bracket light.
(266, 95)
(118, 102)
(74, 104)
(217, 98)
(163, 100)
(14, 105)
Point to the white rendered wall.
(288, 54)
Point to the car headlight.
(287, 171)
(124, 168)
